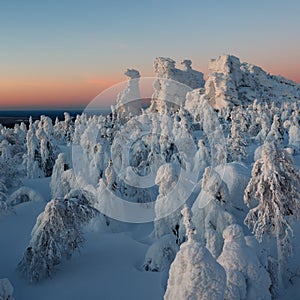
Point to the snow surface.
(108, 267)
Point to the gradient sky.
(64, 53)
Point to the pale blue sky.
(77, 41)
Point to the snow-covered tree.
(4, 207)
(236, 144)
(246, 277)
(33, 158)
(276, 133)
(59, 187)
(64, 130)
(274, 187)
(55, 236)
(47, 146)
(166, 179)
(10, 159)
(202, 158)
(210, 215)
(195, 274)
(293, 133)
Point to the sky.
(56, 54)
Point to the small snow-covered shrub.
(161, 254)
(6, 290)
(24, 194)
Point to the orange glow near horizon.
(35, 93)
(52, 93)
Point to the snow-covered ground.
(108, 267)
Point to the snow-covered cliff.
(172, 84)
(231, 82)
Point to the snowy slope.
(108, 267)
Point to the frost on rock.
(128, 101)
(172, 84)
(6, 290)
(161, 254)
(220, 87)
(195, 274)
(55, 236)
(231, 82)
(247, 278)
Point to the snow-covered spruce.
(166, 178)
(195, 274)
(63, 178)
(210, 215)
(41, 148)
(55, 236)
(11, 153)
(236, 142)
(246, 276)
(4, 207)
(275, 185)
(64, 130)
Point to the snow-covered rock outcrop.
(231, 82)
(172, 84)
(128, 101)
